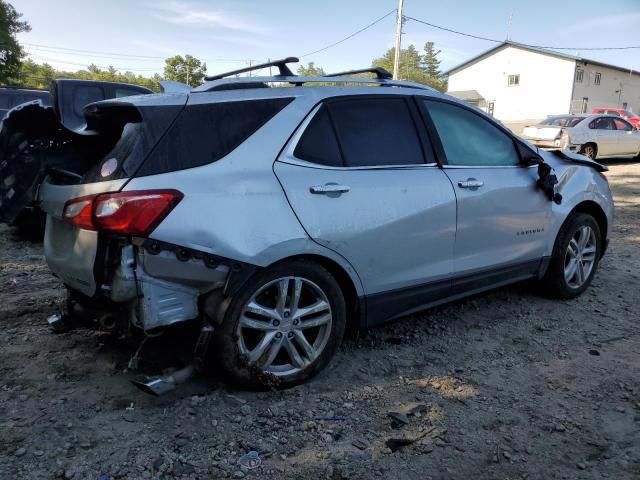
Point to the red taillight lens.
(126, 213)
(133, 213)
(79, 212)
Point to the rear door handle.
(329, 189)
(470, 183)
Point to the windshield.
(566, 121)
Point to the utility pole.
(250, 62)
(396, 59)
(188, 75)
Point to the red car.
(631, 117)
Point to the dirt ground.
(508, 385)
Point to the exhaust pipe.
(161, 385)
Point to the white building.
(519, 83)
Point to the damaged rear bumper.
(158, 284)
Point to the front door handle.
(331, 189)
(470, 183)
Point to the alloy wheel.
(580, 256)
(285, 325)
(590, 152)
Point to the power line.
(478, 37)
(56, 60)
(348, 37)
(123, 55)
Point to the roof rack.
(381, 73)
(255, 82)
(281, 64)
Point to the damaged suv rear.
(273, 211)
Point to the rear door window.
(205, 133)
(602, 123)
(318, 143)
(376, 132)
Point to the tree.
(430, 60)
(310, 70)
(33, 75)
(185, 69)
(412, 67)
(10, 51)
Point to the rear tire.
(575, 257)
(590, 150)
(270, 337)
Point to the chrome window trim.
(287, 155)
(487, 166)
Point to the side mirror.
(527, 156)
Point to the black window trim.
(289, 156)
(441, 157)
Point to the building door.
(585, 104)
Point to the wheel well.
(355, 314)
(595, 210)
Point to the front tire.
(283, 326)
(575, 257)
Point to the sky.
(137, 35)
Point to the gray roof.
(467, 95)
(543, 51)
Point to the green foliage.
(33, 75)
(415, 67)
(310, 70)
(430, 60)
(10, 51)
(185, 69)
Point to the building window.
(490, 108)
(579, 75)
(624, 105)
(514, 80)
(596, 78)
(585, 104)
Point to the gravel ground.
(507, 385)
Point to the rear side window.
(126, 92)
(602, 123)
(376, 132)
(84, 95)
(205, 133)
(318, 143)
(468, 139)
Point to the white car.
(596, 136)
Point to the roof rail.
(281, 64)
(255, 82)
(381, 73)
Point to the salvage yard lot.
(506, 385)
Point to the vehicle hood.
(568, 156)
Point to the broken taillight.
(78, 212)
(126, 213)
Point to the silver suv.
(279, 211)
